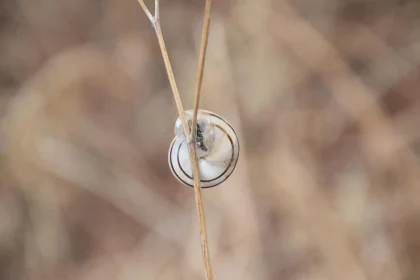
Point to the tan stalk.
(202, 59)
(191, 144)
(197, 188)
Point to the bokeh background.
(324, 96)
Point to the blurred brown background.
(324, 97)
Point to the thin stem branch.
(157, 10)
(201, 62)
(190, 138)
(172, 81)
(146, 11)
(197, 185)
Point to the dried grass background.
(324, 96)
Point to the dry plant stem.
(202, 58)
(146, 11)
(172, 81)
(193, 159)
(191, 144)
(157, 10)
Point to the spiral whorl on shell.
(217, 150)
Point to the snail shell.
(217, 150)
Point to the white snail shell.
(217, 150)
